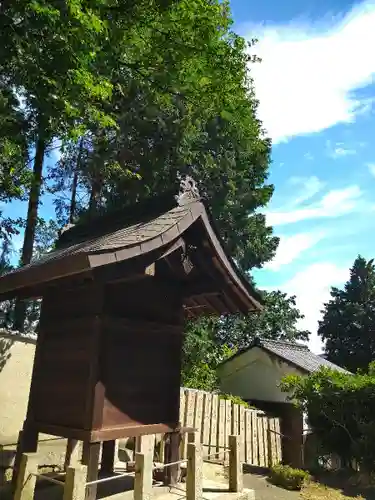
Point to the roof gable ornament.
(188, 191)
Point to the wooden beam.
(35, 292)
(200, 287)
(108, 434)
(130, 431)
(206, 264)
(123, 271)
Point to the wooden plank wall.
(215, 419)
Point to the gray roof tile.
(297, 354)
(114, 240)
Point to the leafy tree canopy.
(349, 318)
(210, 341)
(277, 321)
(340, 409)
(184, 103)
(15, 176)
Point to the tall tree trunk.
(96, 189)
(73, 199)
(92, 202)
(32, 218)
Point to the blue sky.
(316, 86)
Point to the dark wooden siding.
(141, 375)
(147, 299)
(63, 388)
(109, 364)
(141, 353)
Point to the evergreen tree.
(184, 104)
(348, 324)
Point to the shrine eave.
(144, 241)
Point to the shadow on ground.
(5, 347)
(345, 482)
(47, 491)
(256, 478)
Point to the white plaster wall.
(16, 363)
(255, 374)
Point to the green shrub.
(340, 408)
(236, 400)
(287, 477)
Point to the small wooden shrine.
(116, 292)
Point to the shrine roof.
(143, 229)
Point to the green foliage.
(201, 356)
(152, 90)
(288, 478)
(200, 376)
(45, 237)
(48, 53)
(209, 341)
(184, 103)
(14, 173)
(277, 321)
(236, 400)
(349, 317)
(341, 409)
(158, 88)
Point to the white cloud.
(309, 71)
(309, 187)
(339, 150)
(371, 168)
(312, 288)
(334, 203)
(308, 156)
(290, 247)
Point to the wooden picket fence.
(216, 419)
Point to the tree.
(47, 54)
(174, 82)
(6, 307)
(201, 355)
(14, 173)
(184, 103)
(340, 408)
(209, 341)
(56, 57)
(349, 318)
(45, 237)
(277, 321)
